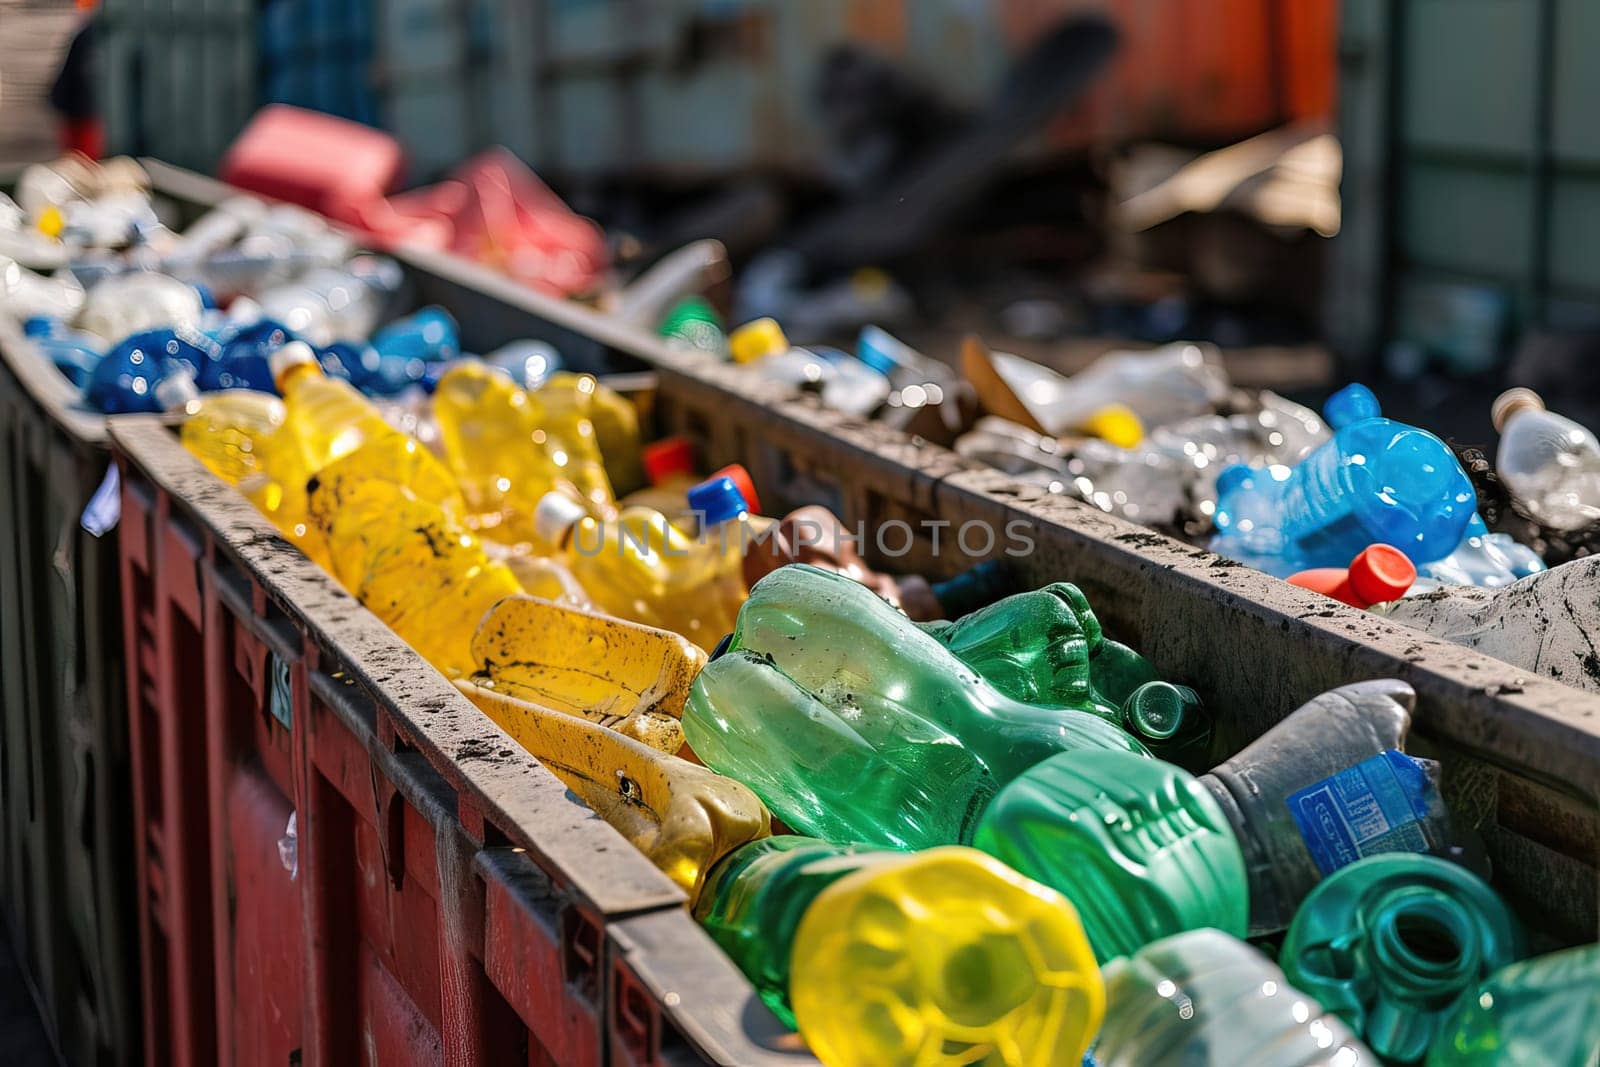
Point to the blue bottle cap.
(876, 348)
(1351, 404)
(717, 501)
(41, 326)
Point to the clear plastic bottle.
(1393, 944)
(1176, 382)
(143, 300)
(1377, 482)
(1543, 1012)
(1325, 787)
(330, 304)
(1484, 559)
(844, 383)
(25, 294)
(1206, 999)
(1550, 463)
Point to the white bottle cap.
(554, 515)
(176, 390)
(293, 354)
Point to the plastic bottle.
(245, 357)
(231, 432)
(642, 567)
(1378, 481)
(24, 294)
(692, 324)
(1176, 382)
(1543, 1012)
(329, 417)
(633, 679)
(1378, 574)
(682, 816)
(1172, 722)
(124, 381)
(1138, 845)
(1550, 463)
(335, 303)
(670, 465)
(1325, 787)
(1046, 647)
(1142, 485)
(844, 384)
(1205, 999)
(412, 566)
(1484, 559)
(74, 353)
(1393, 944)
(946, 949)
(1544, 624)
(817, 536)
(143, 300)
(926, 397)
(507, 450)
(855, 726)
(571, 398)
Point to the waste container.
(443, 897)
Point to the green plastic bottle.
(692, 324)
(1139, 846)
(1205, 999)
(1172, 722)
(1046, 647)
(1542, 1012)
(1393, 943)
(854, 725)
(949, 942)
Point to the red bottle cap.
(668, 456)
(1381, 573)
(742, 479)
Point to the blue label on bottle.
(1375, 806)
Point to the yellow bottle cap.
(1115, 424)
(949, 949)
(52, 221)
(757, 338)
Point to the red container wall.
(407, 932)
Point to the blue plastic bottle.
(75, 354)
(408, 345)
(124, 382)
(1377, 481)
(246, 354)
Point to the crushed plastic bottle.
(1394, 943)
(124, 381)
(1484, 559)
(143, 300)
(1206, 999)
(855, 726)
(1550, 463)
(25, 294)
(1325, 787)
(330, 304)
(571, 399)
(844, 383)
(682, 816)
(1169, 384)
(1377, 481)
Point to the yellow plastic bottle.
(507, 449)
(633, 679)
(414, 568)
(683, 817)
(643, 568)
(329, 418)
(241, 437)
(946, 957)
(571, 399)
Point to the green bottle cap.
(694, 324)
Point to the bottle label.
(1376, 806)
